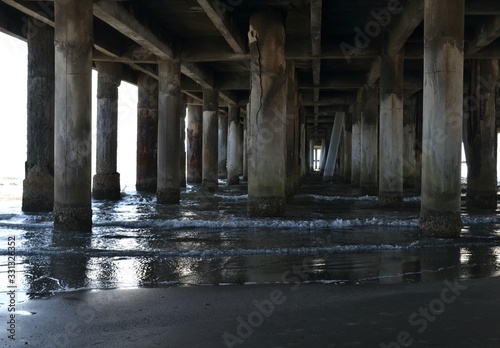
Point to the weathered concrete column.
(194, 144)
(443, 109)
(291, 139)
(322, 157)
(233, 146)
(303, 153)
(348, 148)
(356, 142)
(480, 136)
(334, 147)
(147, 134)
(182, 145)
(210, 140)
(38, 186)
(107, 179)
(369, 141)
(73, 115)
(266, 126)
(391, 131)
(169, 103)
(311, 154)
(245, 145)
(409, 136)
(222, 157)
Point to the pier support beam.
(334, 147)
(480, 136)
(356, 142)
(107, 179)
(210, 140)
(266, 126)
(369, 141)
(222, 157)
(442, 125)
(194, 144)
(38, 186)
(73, 115)
(391, 131)
(347, 148)
(147, 134)
(169, 114)
(233, 146)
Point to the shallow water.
(331, 234)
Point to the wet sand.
(439, 314)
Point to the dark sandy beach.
(440, 314)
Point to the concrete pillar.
(356, 142)
(194, 144)
(169, 104)
(240, 144)
(291, 118)
(303, 153)
(442, 125)
(311, 154)
(233, 146)
(245, 145)
(266, 126)
(410, 139)
(210, 140)
(147, 134)
(480, 136)
(38, 186)
(391, 131)
(73, 115)
(369, 141)
(222, 157)
(322, 156)
(334, 146)
(182, 145)
(347, 148)
(107, 179)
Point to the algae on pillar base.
(266, 124)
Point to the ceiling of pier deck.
(214, 58)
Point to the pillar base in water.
(233, 180)
(168, 196)
(38, 192)
(266, 206)
(441, 224)
(148, 185)
(481, 199)
(106, 186)
(391, 199)
(328, 178)
(72, 218)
